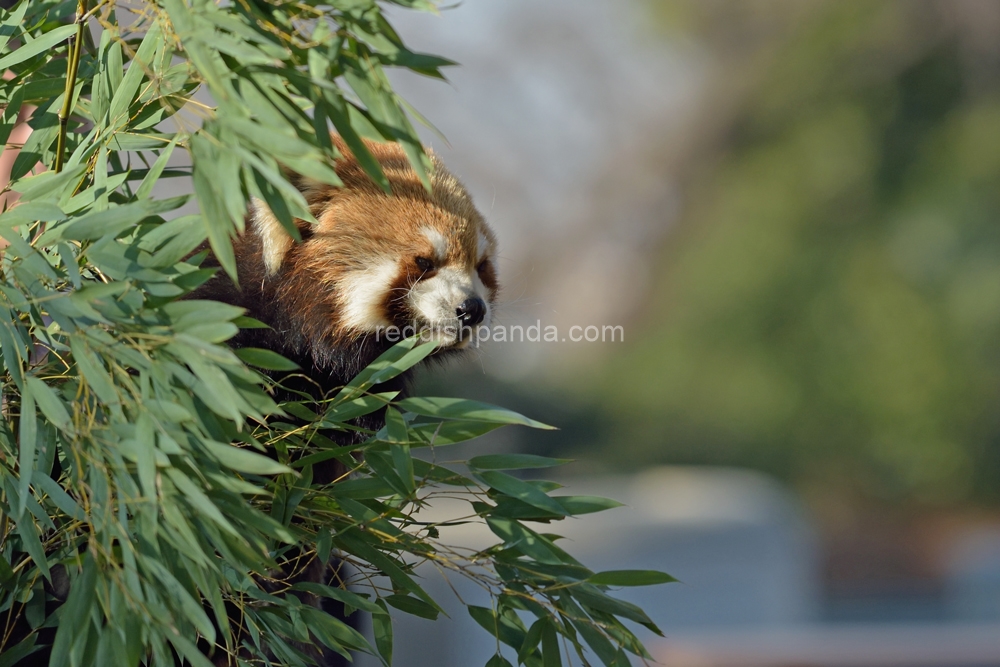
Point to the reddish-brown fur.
(358, 224)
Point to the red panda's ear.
(275, 240)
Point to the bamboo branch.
(72, 66)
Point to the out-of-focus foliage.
(829, 306)
(155, 503)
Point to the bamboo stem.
(72, 66)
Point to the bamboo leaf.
(126, 91)
(460, 408)
(11, 23)
(49, 403)
(27, 433)
(38, 45)
(521, 490)
(266, 359)
(33, 545)
(244, 460)
(630, 578)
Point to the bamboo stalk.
(72, 67)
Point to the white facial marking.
(436, 299)
(438, 242)
(275, 241)
(364, 293)
(483, 247)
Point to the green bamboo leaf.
(341, 595)
(69, 260)
(116, 220)
(199, 501)
(485, 617)
(93, 372)
(595, 598)
(175, 590)
(7, 575)
(49, 185)
(129, 86)
(12, 23)
(384, 467)
(33, 545)
(397, 359)
(111, 648)
(38, 147)
(244, 460)
(217, 222)
(10, 115)
(550, 646)
(413, 606)
(49, 403)
(334, 632)
(575, 505)
(75, 615)
(189, 650)
(100, 95)
(460, 408)
(524, 539)
(12, 359)
(145, 457)
(26, 646)
(364, 405)
(266, 359)
(440, 434)
(520, 489)
(630, 578)
(382, 630)
(38, 45)
(27, 433)
(244, 322)
(402, 461)
(531, 640)
(355, 543)
(146, 187)
(395, 426)
(58, 495)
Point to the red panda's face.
(422, 262)
(410, 264)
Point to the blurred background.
(791, 208)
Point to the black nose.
(471, 311)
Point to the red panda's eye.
(482, 265)
(424, 264)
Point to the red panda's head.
(374, 260)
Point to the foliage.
(143, 459)
(827, 309)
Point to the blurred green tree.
(828, 308)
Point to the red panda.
(375, 263)
(374, 266)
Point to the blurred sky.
(548, 118)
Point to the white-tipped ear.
(275, 240)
